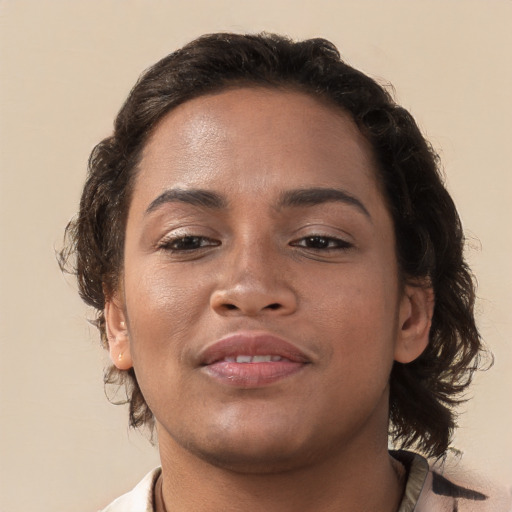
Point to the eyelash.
(327, 243)
(191, 243)
(198, 242)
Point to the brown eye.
(188, 243)
(318, 242)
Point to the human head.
(427, 228)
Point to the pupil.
(189, 242)
(318, 241)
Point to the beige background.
(66, 66)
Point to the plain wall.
(66, 67)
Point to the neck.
(358, 478)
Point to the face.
(260, 292)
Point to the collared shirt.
(427, 490)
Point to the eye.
(187, 243)
(321, 243)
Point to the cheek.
(163, 316)
(162, 308)
(358, 312)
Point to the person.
(278, 274)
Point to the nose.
(254, 283)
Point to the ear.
(415, 318)
(117, 334)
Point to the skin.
(322, 276)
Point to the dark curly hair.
(429, 235)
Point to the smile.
(252, 360)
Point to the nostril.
(275, 305)
(230, 306)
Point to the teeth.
(261, 359)
(253, 359)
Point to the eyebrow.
(289, 199)
(195, 197)
(316, 196)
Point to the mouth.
(252, 359)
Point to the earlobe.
(117, 334)
(415, 319)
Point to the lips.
(252, 359)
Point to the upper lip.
(252, 344)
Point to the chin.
(254, 440)
(255, 449)
(265, 460)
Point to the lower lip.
(252, 375)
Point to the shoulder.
(448, 487)
(139, 499)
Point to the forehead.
(243, 135)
